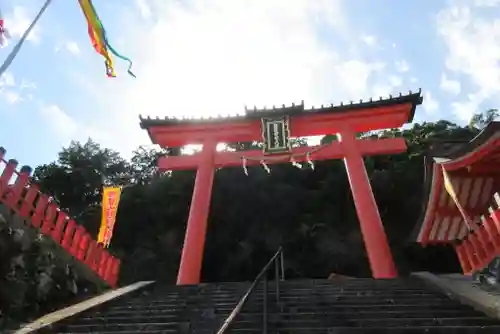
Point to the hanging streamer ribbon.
(15, 50)
(4, 33)
(99, 39)
(295, 163)
(265, 166)
(244, 164)
(309, 161)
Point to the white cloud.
(395, 81)
(369, 40)
(472, 40)
(7, 83)
(63, 124)
(450, 86)
(69, 46)
(212, 57)
(72, 47)
(144, 8)
(7, 79)
(486, 3)
(465, 109)
(431, 105)
(26, 84)
(402, 66)
(18, 22)
(12, 97)
(14, 92)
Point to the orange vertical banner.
(110, 201)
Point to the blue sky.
(209, 57)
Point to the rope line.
(287, 157)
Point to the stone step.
(435, 307)
(138, 318)
(290, 324)
(158, 287)
(315, 306)
(363, 322)
(339, 330)
(283, 296)
(393, 330)
(341, 302)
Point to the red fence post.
(103, 262)
(471, 254)
(27, 205)
(49, 219)
(478, 249)
(495, 216)
(61, 221)
(97, 257)
(492, 233)
(109, 267)
(16, 191)
(68, 235)
(39, 215)
(115, 270)
(90, 254)
(79, 231)
(7, 174)
(463, 259)
(83, 246)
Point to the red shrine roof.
(474, 170)
(413, 98)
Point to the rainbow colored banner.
(110, 201)
(97, 35)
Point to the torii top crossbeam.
(360, 117)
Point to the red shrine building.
(462, 207)
(275, 127)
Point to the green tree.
(480, 120)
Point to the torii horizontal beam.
(301, 126)
(335, 150)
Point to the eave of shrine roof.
(486, 140)
(475, 193)
(413, 98)
(490, 131)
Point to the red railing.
(24, 198)
(480, 247)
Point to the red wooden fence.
(480, 247)
(24, 198)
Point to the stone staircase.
(305, 306)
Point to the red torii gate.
(275, 127)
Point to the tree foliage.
(309, 212)
(480, 120)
